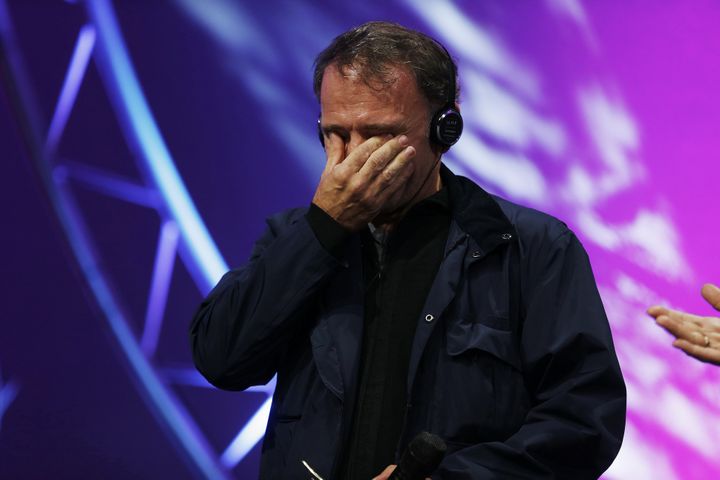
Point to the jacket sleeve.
(574, 427)
(241, 331)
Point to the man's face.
(356, 111)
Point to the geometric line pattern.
(181, 228)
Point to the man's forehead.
(379, 79)
(383, 104)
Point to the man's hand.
(697, 336)
(386, 473)
(371, 179)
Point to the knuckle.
(342, 172)
(356, 188)
(353, 193)
(379, 140)
(374, 143)
(387, 175)
(367, 200)
(407, 170)
(375, 164)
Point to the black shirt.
(398, 270)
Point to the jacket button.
(506, 236)
(429, 318)
(476, 254)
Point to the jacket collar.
(477, 212)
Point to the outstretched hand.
(695, 335)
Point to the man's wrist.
(331, 235)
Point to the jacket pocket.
(277, 443)
(280, 418)
(463, 337)
(478, 383)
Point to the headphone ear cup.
(321, 137)
(446, 127)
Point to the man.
(407, 299)
(695, 335)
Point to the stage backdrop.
(144, 143)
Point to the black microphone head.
(428, 447)
(421, 458)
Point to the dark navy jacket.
(512, 363)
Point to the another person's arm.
(695, 335)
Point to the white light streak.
(248, 437)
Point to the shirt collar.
(476, 211)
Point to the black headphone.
(446, 124)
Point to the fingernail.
(402, 140)
(410, 151)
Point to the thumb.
(711, 293)
(385, 473)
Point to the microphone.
(420, 458)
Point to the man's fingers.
(357, 159)
(334, 149)
(383, 156)
(711, 293)
(385, 473)
(378, 187)
(704, 354)
(399, 165)
(393, 182)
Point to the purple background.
(604, 114)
